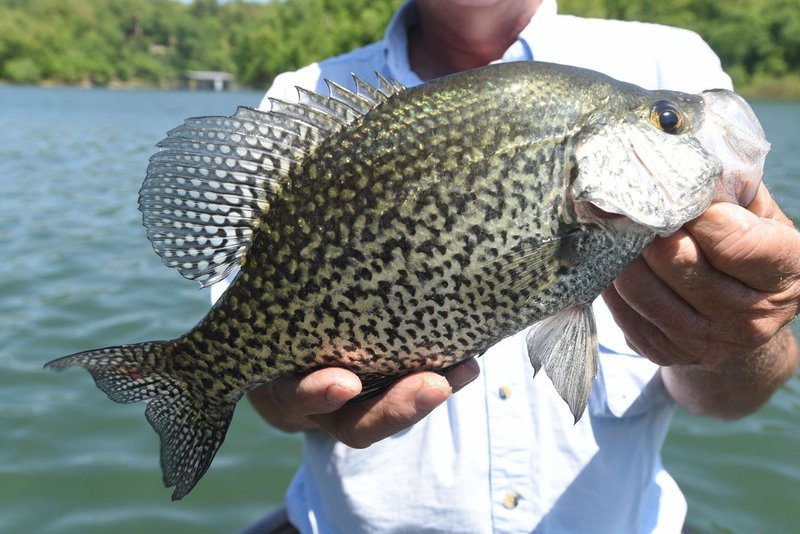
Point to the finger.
(696, 320)
(288, 401)
(630, 321)
(765, 207)
(406, 402)
(654, 300)
(642, 334)
(319, 392)
(462, 374)
(759, 252)
(680, 264)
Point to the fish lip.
(732, 131)
(592, 209)
(605, 215)
(587, 211)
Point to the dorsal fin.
(215, 177)
(356, 101)
(388, 87)
(323, 121)
(375, 95)
(336, 109)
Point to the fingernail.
(338, 393)
(462, 374)
(434, 390)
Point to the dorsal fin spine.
(336, 109)
(355, 101)
(368, 92)
(384, 86)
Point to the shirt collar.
(395, 40)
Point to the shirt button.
(505, 392)
(511, 500)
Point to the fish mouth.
(657, 211)
(654, 180)
(588, 212)
(731, 132)
(672, 209)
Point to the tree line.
(154, 42)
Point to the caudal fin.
(190, 427)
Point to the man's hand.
(712, 301)
(317, 400)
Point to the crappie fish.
(389, 230)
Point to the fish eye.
(666, 117)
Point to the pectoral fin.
(527, 268)
(566, 346)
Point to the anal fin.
(566, 346)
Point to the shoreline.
(786, 88)
(134, 86)
(780, 89)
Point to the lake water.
(77, 272)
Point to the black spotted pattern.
(428, 230)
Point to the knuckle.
(736, 247)
(276, 412)
(396, 418)
(304, 395)
(352, 438)
(685, 256)
(678, 251)
(652, 351)
(757, 331)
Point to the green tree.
(156, 41)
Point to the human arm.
(712, 304)
(317, 401)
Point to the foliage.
(756, 40)
(155, 41)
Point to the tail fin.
(190, 427)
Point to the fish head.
(659, 158)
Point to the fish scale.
(392, 230)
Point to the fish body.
(392, 230)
